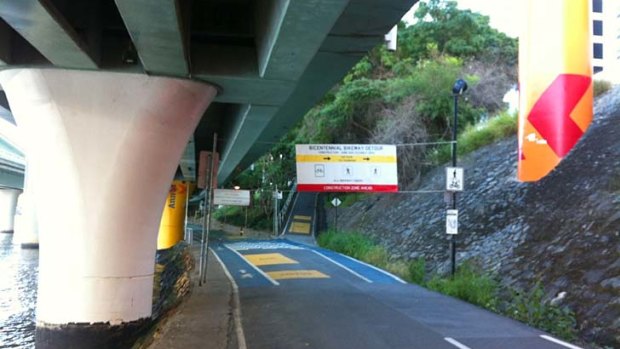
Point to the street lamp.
(460, 86)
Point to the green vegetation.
(531, 308)
(469, 284)
(477, 136)
(361, 247)
(601, 87)
(402, 97)
(235, 215)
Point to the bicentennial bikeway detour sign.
(346, 168)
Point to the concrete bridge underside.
(271, 60)
(109, 92)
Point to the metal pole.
(275, 212)
(187, 238)
(202, 239)
(210, 205)
(454, 134)
(336, 220)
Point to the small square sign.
(454, 179)
(452, 222)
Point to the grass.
(362, 247)
(468, 284)
(476, 136)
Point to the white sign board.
(336, 202)
(454, 179)
(452, 222)
(231, 197)
(346, 168)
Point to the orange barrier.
(555, 73)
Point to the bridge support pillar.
(26, 230)
(8, 202)
(105, 147)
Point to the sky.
(505, 15)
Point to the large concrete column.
(105, 147)
(26, 231)
(8, 202)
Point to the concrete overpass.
(270, 60)
(109, 93)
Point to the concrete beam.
(5, 43)
(234, 71)
(249, 123)
(290, 32)
(324, 72)
(371, 17)
(157, 31)
(44, 27)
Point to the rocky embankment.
(563, 231)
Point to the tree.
(459, 33)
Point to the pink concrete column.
(104, 147)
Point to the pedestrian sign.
(454, 179)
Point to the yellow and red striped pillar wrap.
(555, 82)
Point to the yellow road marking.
(268, 259)
(347, 158)
(302, 218)
(300, 228)
(297, 274)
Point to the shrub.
(417, 271)
(476, 136)
(531, 308)
(468, 285)
(352, 244)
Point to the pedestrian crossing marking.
(302, 218)
(300, 228)
(297, 274)
(269, 259)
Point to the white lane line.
(236, 305)
(557, 341)
(342, 266)
(456, 343)
(254, 267)
(377, 269)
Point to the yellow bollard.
(173, 217)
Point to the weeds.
(531, 308)
(468, 285)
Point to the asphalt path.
(298, 296)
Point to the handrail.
(286, 207)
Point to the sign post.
(336, 202)
(206, 219)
